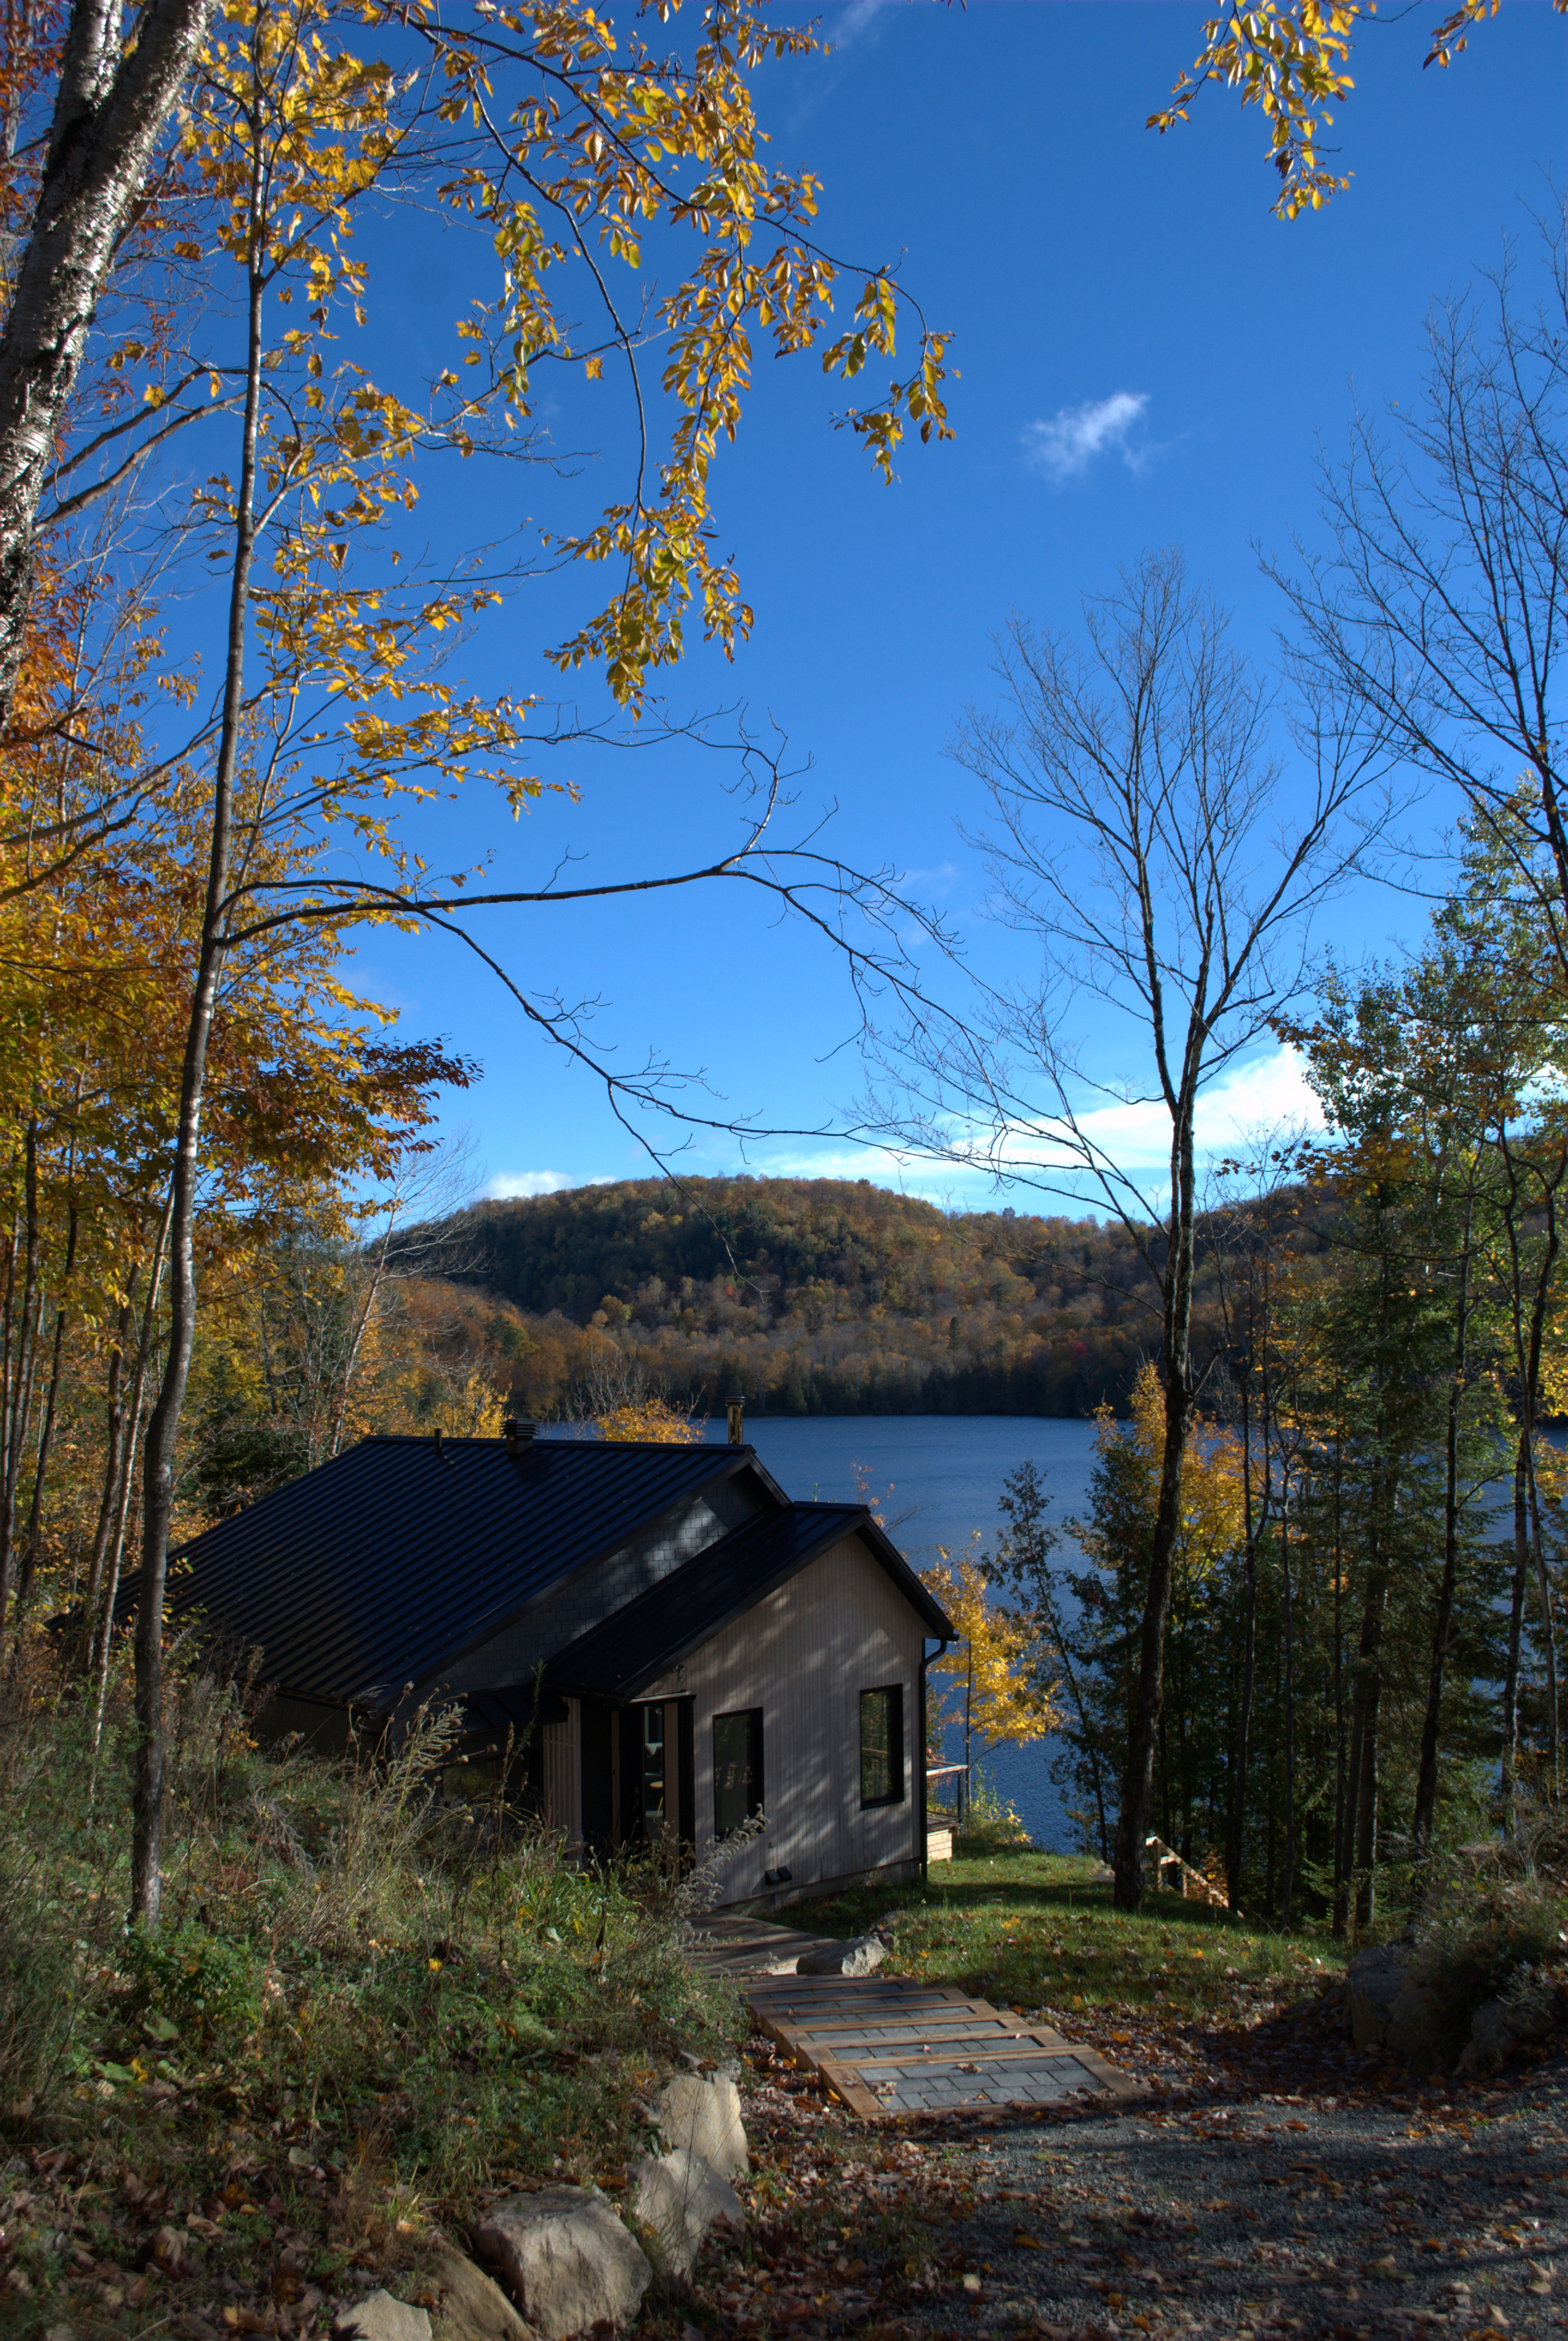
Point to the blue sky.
(1147, 357)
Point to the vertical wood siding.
(804, 1655)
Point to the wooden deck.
(749, 1946)
(889, 2046)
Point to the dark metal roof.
(380, 1567)
(653, 1632)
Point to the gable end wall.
(804, 1655)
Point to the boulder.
(700, 2113)
(1393, 2009)
(378, 2317)
(1373, 1980)
(1499, 2028)
(1418, 2028)
(565, 2258)
(861, 1954)
(472, 2307)
(677, 2197)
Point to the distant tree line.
(811, 1296)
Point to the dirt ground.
(1270, 2180)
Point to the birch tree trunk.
(112, 108)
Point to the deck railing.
(960, 1776)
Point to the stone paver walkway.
(885, 2046)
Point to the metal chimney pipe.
(735, 1409)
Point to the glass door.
(658, 1808)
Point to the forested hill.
(811, 1295)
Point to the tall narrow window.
(883, 1746)
(737, 1768)
(653, 1772)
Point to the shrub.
(990, 1823)
(354, 1969)
(1492, 1924)
(200, 1982)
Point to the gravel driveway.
(1349, 2217)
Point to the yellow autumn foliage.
(474, 1409)
(648, 1418)
(988, 1667)
(1213, 1488)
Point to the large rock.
(1373, 1980)
(472, 2307)
(700, 2113)
(1501, 2028)
(1391, 2008)
(565, 2258)
(378, 2317)
(677, 2197)
(861, 1954)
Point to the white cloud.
(878, 1163)
(859, 16)
(507, 1185)
(1265, 1094)
(1066, 446)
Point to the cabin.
(665, 1645)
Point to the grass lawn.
(1034, 1931)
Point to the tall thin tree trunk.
(145, 1341)
(1548, 1622)
(24, 1327)
(368, 1299)
(1248, 1669)
(46, 1436)
(163, 1427)
(1365, 1773)
(1091, 1747)
(1343, 1759)
(1143, 1737)
(1508, 1783)
(114, 1450)
(1431, 1725)
(1288, 1884)
(1343, 1909)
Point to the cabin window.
(737, 1768)
(655, 1778)
(883, 1746)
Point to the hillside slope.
(809, 1295)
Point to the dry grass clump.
(1492, 1924)
(367, 2003)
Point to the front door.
(656, 1773)
(655, 1768)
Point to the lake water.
(946, 1472)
